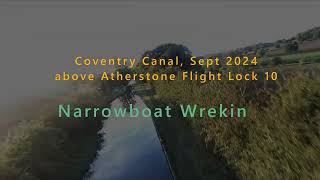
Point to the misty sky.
(38, 39)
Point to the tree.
(276, 60)
(121, 83)
(171, 50)
(292, 46)
(261, 52)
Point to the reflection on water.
(131, 148)
(128, 97)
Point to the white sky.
(37, 40)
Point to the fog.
(39, 39)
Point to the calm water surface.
(131, 149)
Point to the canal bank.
(130, 149)
(187, 154)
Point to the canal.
(131, 148)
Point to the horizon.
(43, 45)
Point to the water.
(131, 149)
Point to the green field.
(304, 57)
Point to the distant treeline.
(305, 41)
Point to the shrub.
(276, 61)
(50, 148)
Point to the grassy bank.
(50, 148)
(279, 139)
(187, 154)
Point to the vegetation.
(282, 46)
(309, 35)
(307, 57)
(280, 138)
(184, 147)
(292, 47)
(276, 60)
(50, 148)
(169, 51)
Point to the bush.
(50, 148)
(276, 61)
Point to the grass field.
(306, 57)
